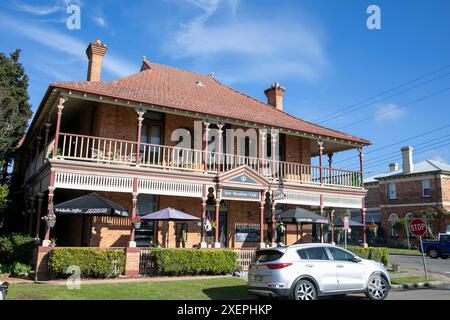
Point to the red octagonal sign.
(417, 227)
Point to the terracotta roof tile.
(184, 90)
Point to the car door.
(445, 244)
(350, 274)
(316, 263)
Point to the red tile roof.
(184, 90)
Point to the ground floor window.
(145, 235)
(393, 219)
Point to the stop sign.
(417, 227)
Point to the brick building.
(163, 137)
(400, 193)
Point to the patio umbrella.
(339, 222)
(169, 214)
(90, 204)
(300, 215)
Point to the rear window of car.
(268, 255)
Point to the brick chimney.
(95, 52)
(393, 166)
(275, 95)
(407, 159)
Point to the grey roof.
(169, 214)
(421, 167)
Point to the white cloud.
(276, 48)
(388, 112)
(66, 44)
(101, 22)
(36, 10)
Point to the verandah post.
(363, 204)
(140, 113)
(60, 108)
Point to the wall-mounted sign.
(279, 194)
(242, 178)
(247, 233)
(231, 194)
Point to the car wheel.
(305, 290)
(378, 288)
(433, 253)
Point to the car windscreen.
(268, 255)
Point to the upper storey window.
(392, 191)
(426, 190)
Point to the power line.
(416, 153)
(398, 142)
(382, 158)
(382, 93)
(385, 98)
(396, 108)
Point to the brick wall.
(112, 231)
(297, 150)
(445, 187)
(117, 122)
(372, 199)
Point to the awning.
(300, 215)
(91, 204)
(339, 222)
(169, 214)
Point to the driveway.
(437, 266)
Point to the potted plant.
(52, 242)
(373, 227)
(50, 220)
(136, 222)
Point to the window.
(445, 238)
(318, 253)
(426, 190)
(146, 203)
(268, 255)
(447, 228)
(392, 191)
(393, 218)
(341, 255)
(181, 231)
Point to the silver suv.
(308, 271)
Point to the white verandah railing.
(122, 152)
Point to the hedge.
(93, 262)
(194, 261)
(379, 254)
(16, 248)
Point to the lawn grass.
(201, 289)
(403, 280)
(403, 251)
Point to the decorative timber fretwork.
(174, 188)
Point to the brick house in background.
(117, 138)
(400, 193)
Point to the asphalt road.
(438, 266)
(442, 293)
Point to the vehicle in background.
(440, 248)
(3, 290)
(309, 271)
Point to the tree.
(428, 215)
(15, 109)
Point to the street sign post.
(418, 227)
(346, 227)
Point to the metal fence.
(245, 257)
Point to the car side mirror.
(355, 259)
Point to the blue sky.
(321, 51)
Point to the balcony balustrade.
(168, 158)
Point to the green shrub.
(194, 261)
(19, 269)
(93, 263)
(16, 248)
(5, 268)
(379, 254)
